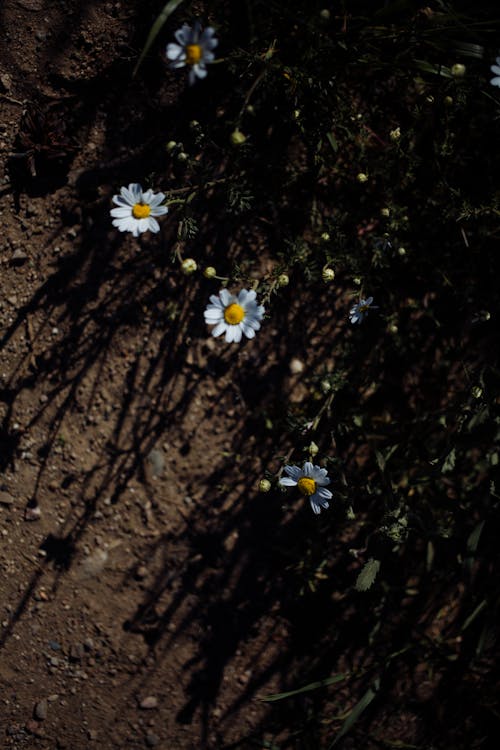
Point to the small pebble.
(41, 710)
(152, 740)
(149, 703)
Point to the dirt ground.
(132, 606)
(149, 592)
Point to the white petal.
(216, 301)
(226, 297)
(324, 493)
(287, 482)
(495, 69)
(146, 197)
(220, 328)
(173, 51)
(316, 508)
(136, 190)
(157, 199)
(294, 471)
(183, 34)
(242, 296)
(128, 196)
(238, 334)
(230, 334)
(247, 330)
(119, 200)
(153, 225)
(308, 469)
(208, 56)
(213, 316)
(159, 211)
(121, 213)
(495, 81)
(199, 71)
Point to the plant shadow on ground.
(230, 573)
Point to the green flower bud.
(237, 137)
(209, 272)
(458, 70)
(189, 266)
(362, 177)
(328, 275)
(283, 279)
(264, 485)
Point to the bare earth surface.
(128, 589)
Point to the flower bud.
(171, 145)
(283, 279)
(477, 392)
(395, 134)
(237, 137)
(458, 70)
(362, 177)
(209, 272)
(402, 251)
(313, 449)
(325, 14)
(385, 212)
(328, 275)
(325, 237)
(264, 485)
(189, 266)
(357, 280)
(194, 124)
(326, 386)
(182, 156)
(448, 101)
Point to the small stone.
(32, 513)
(152, 739)
(149, 703)
(19, 257)
(6, 82)
(41, 710)
(141, 572)
(6, 499)
(76, 652)
(92, 735)
(296, 366)
(157, 461)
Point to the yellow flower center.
(234, 314)
(141, 210)
(363, 308)
(307, 486)
(193, 54)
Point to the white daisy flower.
(136, 210)
(234, 315)
(312, 482)
(496, 70)
(360, 310)
(194, 48)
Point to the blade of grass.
(356, 712)
(155, 30)
(305, 689)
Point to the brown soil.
(129, 570)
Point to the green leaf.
(356, 712)
(470, 619)
(155, 30)
(367, 576)
(449, 462)
(474, 537)
(305, 689)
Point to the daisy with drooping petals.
(360, 310)
(194, 48)
(234, 315)
(311, 481)
(137, 210)
(496, 70)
